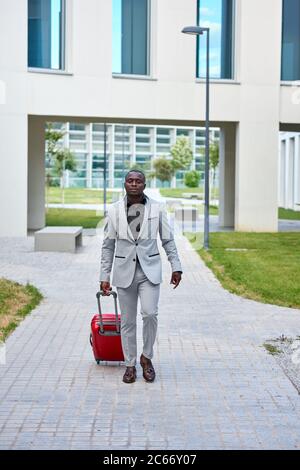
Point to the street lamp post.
(104, 174)
(197, 30)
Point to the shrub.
(192, 179)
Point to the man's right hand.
(105, 287)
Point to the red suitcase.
(105, 337)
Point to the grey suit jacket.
(119, 248)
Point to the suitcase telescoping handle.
(114, 294)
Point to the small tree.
(144, 167)
(213, 162)
(192, 179)
(60, 159)
(182, 154)
(163, 169)
(52, 137)
(64, 160)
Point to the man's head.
(135, 183)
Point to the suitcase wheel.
(98, 361)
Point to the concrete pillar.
(281, 178)
(89, 154)
(111, 159)
(290, 173)
(133, 144)
(256, 190)
(13, 175)
(36, 172)
(297, 173)
(227, 175)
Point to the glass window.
(218, 16)
(80, 156)
(143, 160)
(77, 182)
(163, 140)
(162, 184)
(165, 149)
(98, 181)
(130, 36)
(143, 130)
(98, 127)
(122, 148)
(143, 148)
(122, 138)
(98, 165)
(163, 131)
(76, 136)
(98, 147)
(98, 137)
(80, 165)
(58, 126)
(182, 132)
(46, 34)
(122, 129)
(78, 174)
(290, 63)
(142, 140)
(77, 127)
(77, 145)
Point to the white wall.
(13, 119)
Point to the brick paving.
(216, 386)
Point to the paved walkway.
(216, 386)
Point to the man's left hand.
(176, 278)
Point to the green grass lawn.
(16, 301)
(178, 192)
(78, 196)
(282, 213)
(269, 271)
(213, 210)
(288, 214)
(73, 217)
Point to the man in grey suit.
(130, 251)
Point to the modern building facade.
(126, 61)
(126, 146)
(289, 170)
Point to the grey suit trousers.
(148, 293)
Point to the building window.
(290, 63)
(131, 37)
(218, 16)
(163, 141)
(46, 33)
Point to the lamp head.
(195, 30)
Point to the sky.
(55, 9)
(211, 17)
(116, 30)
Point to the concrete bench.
(192, 195)
(58, 239)
(186, 213)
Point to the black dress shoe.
(148, 369)
(130, 375)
